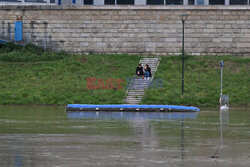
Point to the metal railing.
(7, 34)
(124, 2)
(28, 2)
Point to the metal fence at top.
(124, 2)
(18, 33)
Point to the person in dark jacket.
(139, 70)
(147, 72)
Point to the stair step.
(135, 101)
(149, 62)
(141, 83)
(133, 98)
(135, 94)
(136, 97)
(142, 80)
(137, 90)
(129, 92)
(150, 59)
(137, 86)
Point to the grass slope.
(57, 78)
(30, 76)
(202, 81)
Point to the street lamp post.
(183, 18)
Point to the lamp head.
(184, 17)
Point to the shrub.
(30, 53)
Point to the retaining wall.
(132, 29)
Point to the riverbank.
(202, 81)
(31, 76)
(28, 78)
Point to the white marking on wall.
(98, 2)
(140, 2)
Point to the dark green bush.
(9, 47)
(16, 53)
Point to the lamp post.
(183, 18)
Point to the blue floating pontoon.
(129, 107)
(106, 115)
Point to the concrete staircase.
(135, 91)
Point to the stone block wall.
(132, 29)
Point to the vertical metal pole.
(45, 45)
(115, 2)
(10, 34)
(221, 80)
(182, 88)
(28, 37)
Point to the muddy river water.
(48, 136)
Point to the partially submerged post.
(224, 99)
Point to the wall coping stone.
(122, 7)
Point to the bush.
(9, 47)
(30, 53)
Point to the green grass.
(30, 76)
(202, 81)
(61, 80)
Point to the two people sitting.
(143, 72)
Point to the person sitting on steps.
(147, 72)
(139, 70)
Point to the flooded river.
(48, 136)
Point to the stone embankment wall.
(132, 29)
